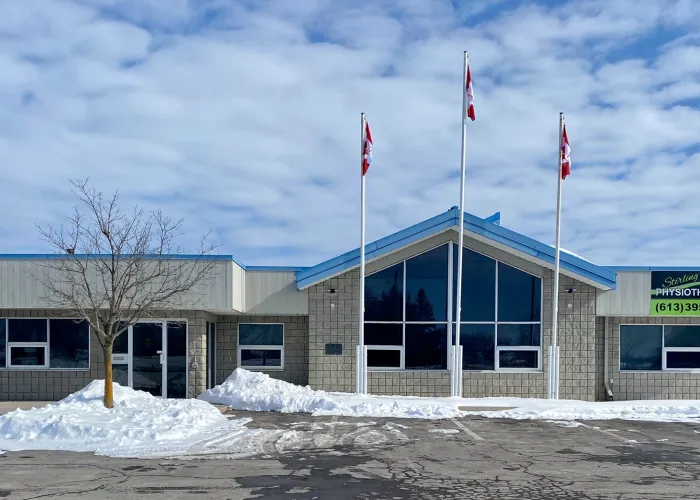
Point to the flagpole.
(361, 362)
(553, 369)
(456, 369)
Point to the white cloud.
(243, 117)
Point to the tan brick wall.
(52, 385)
(296, 347)
(648, 385)
(333, 318)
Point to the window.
(478, 346)
(478, 286)
(682, 347)
(261, 345)
(426, 347)
(384, 343)
(177, 359)
(660, 347)
(384, 295)
(519, 295)
(410, 309)
(3, 342)
(640, 347)
(62, 344)
(69, 345)
(211, 354)
(27, 343)
(426, 286)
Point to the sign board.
(675, 293)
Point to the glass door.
(148, 362)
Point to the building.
(624, 333)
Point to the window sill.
(503, 370)
(692, 371)
(263, 368)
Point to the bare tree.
(118, 267)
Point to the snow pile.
(568, 410)
(255, 391)
(139, 425)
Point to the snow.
(444, 431)
(139, 425)
(255, 391)
(570, 253)
(143, 426)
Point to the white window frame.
(260, 348)
(387, 348)
(20, 345)
(664, 350)
(9, 345)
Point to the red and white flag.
(469, 89)
(565, 154)
(367, 150)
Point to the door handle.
(161, 356)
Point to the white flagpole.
(456, 368)
(553, 371)
(361, 362)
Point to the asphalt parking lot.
(345, 458)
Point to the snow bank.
(254, 391)
(567, 410)
(139, 425)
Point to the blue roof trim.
(494, 219)
(377, 248)
(652, 268)
(473, 224)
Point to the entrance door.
(139, 358)
(148, 363)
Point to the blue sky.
(242, 118)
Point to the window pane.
(261, 357)
(27, 356)
(682, 336)
(384, 295)
(518, 335)
(519, 295)
(683, 360)
(640, 347)
(121, 343)
(177, 359)
(478, 286)
(3, 337)
(260, 334)
(517, 359)
(26, 330)
(70, 344)
(426, 347)
(383, 359)
(120, 375)
(478, 346)
(383, 334)
(426, 286)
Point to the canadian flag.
(367, 150)
(565, 154)
(470, 96)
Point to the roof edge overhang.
(487, 231)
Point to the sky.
(243, 118)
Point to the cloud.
(243, 118)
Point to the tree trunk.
(109, 390)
